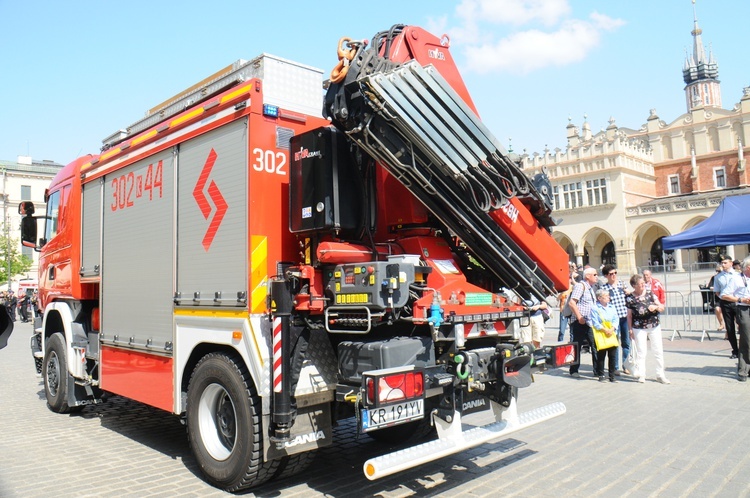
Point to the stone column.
(678, 260)
(626, 261)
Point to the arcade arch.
(598, 248)
(566, 244)
(647, 244)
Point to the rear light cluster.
(393, 387)
(564, 355)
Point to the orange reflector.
(370, 384)
(95, 320)
(237, 335)
(369, 469)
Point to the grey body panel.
(138, 254)
(212, 219)
(91, 230)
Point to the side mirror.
(28, 231)
(28, 223)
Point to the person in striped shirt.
(617, 295)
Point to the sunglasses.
(612, 273)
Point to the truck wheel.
(55, 372)
(294, 464)
(224, 424)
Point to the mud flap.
(6, 327)
(517, 371)
(312, 429)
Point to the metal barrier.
(701, 308)
(683, 312)
(674, 317)
(689, 312)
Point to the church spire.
(700, 73)
(699, 53)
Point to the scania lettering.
(306, 438)
(262, 268)
(477, 403)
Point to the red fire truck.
(263, 269)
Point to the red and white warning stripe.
(277, 378)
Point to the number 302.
(269, 161)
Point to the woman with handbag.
(643, 320)
(605, 322)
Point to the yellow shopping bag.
(602, 340)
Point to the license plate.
(392, 414)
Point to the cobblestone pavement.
(689, 438)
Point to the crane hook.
(338, 73)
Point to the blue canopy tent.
(727, 226)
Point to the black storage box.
(324, 187)
(357, 357)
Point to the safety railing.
(691, 312)
(701, 306)
(675, 318)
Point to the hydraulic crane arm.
(413, 122)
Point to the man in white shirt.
(737, 292)
(727, 308)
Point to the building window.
(674, 184)
(572, 195)
(720, 179)
(25, 192)
(556, 196)
(596, 191)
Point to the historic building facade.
(23, 180)
(618, 192)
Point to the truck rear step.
(455, 441)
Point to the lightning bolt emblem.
(215, 194)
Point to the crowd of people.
(26, 304)
(614, 323)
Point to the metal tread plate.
(397, 461)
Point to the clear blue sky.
(74, 72)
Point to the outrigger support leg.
(282, 415)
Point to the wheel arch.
(60, 316)
(199, 351)
(197, 335)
